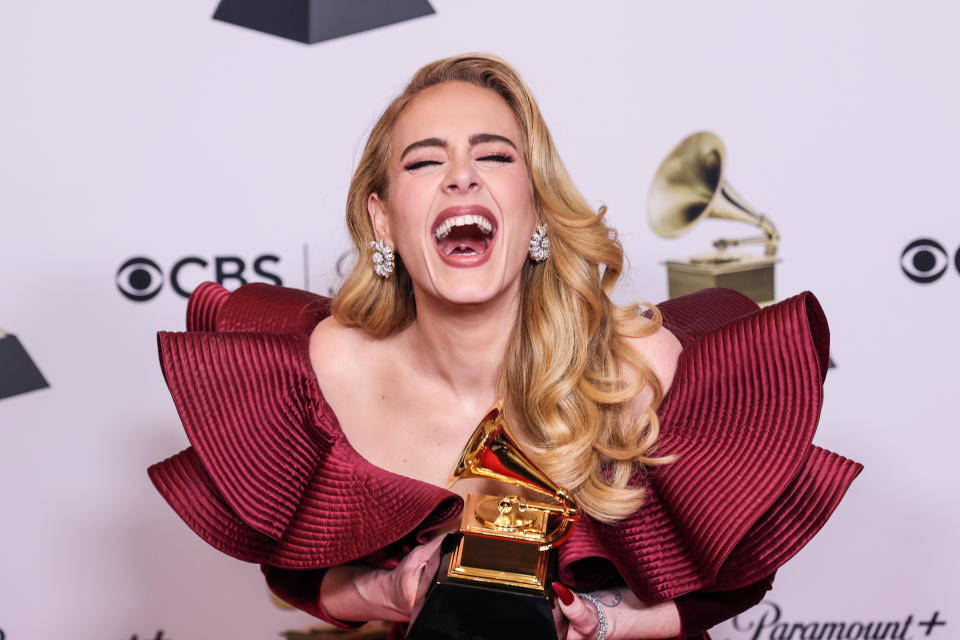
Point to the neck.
(463, 346)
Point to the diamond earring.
(539, 245)
(382, 258)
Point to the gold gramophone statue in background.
(691, 185)
(493, 576)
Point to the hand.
(576, 618)
(359, 592)
(627, 616)
(408, 582)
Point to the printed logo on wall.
(18, 373)
(765, 621)
(313, 21)
(140, 279)
(925, 260)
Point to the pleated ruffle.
(748, 489)
(270, 477)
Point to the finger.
(424, 582)
(560, 621)
(582, 615)
(430, 567)
(434, 543)
(422, 552)
(424, 561)
(431, 546)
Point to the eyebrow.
(475, 139)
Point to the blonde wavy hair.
(562, 377)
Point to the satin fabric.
(270, 477)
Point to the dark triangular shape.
(18, 373)
(313, 21)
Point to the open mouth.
(463, 236)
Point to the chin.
(471, 286)
(469, 298)
(469, 294)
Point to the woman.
(485, 276)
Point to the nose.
(461, 177)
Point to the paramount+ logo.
(140, 278)
(767, 622)
(925, 260)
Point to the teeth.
(461, 221)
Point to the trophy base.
(455, 610)
(751, 276)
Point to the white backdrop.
(148, 129)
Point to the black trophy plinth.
(456, 610)
(313, 21)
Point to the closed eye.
(413, 166)
(496, 157)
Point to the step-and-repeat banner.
(147, 147)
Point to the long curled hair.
(562, 376)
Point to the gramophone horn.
(492, 453)
(690, 185)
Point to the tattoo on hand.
(608, 598)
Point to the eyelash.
(496, 157)
(499, 157)
(413, 166)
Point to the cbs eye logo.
(141, 279)
(925, 260)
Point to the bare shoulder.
(660, 351)
(333, 343)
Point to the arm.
(627, 617)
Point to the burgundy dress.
(270, 477)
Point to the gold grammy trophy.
(691, 185)
(493, 576)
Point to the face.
(460, 208)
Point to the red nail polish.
(565, 595)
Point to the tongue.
(466, 240)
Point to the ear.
(378, 218)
